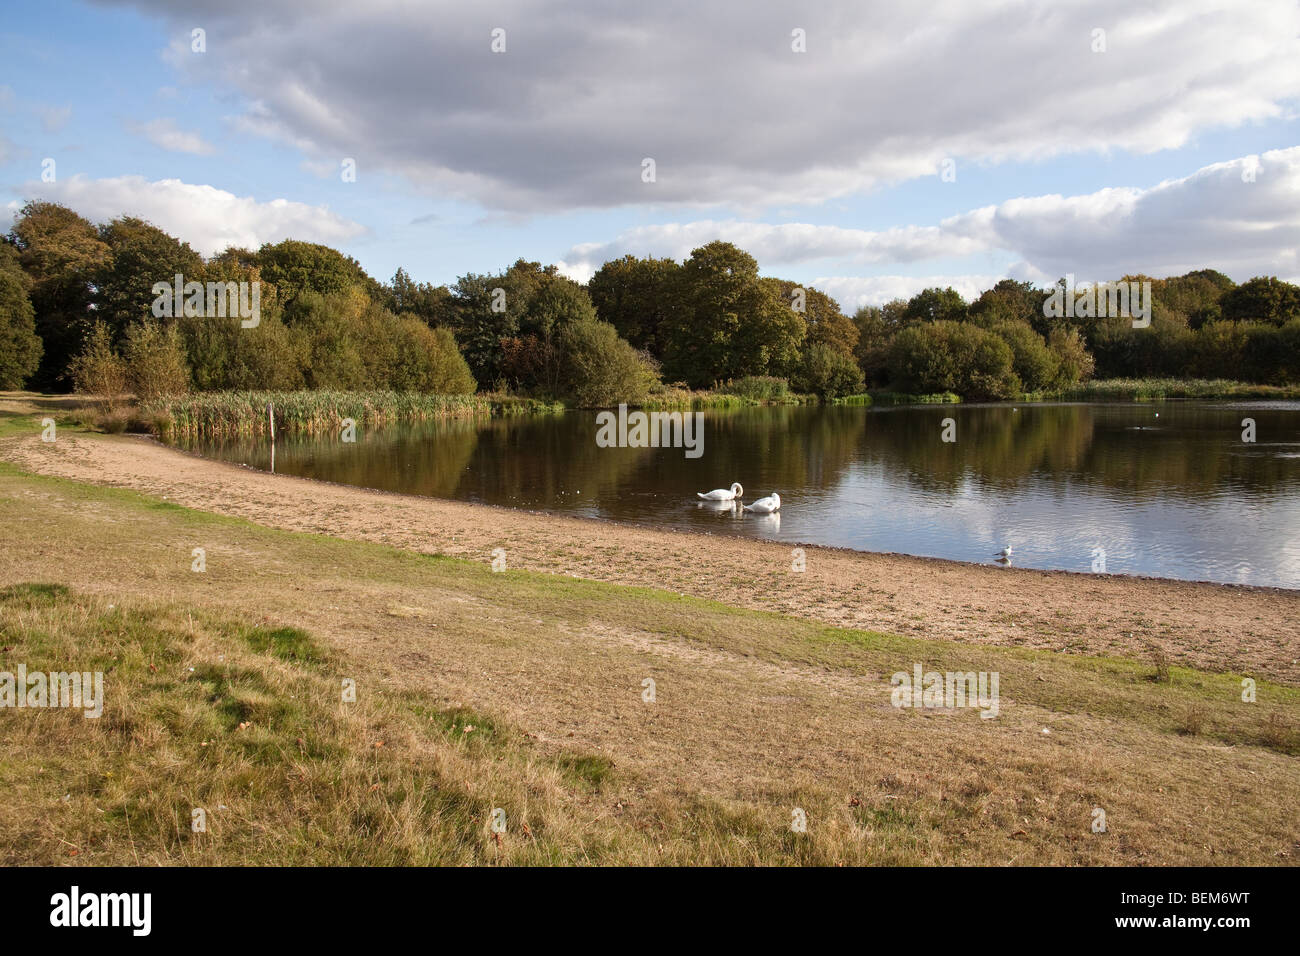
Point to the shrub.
(1032, 360)
(1272, 353)
(603, 369)
(155, 361)
(1219, 349)
(1074, 363)
(953, 357)
(828, 372)
(98, 370)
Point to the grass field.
(223, 694)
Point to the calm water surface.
(1166, 489)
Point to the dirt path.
(1250, 630)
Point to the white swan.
(723, 494)
(766, 506)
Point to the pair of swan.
(763, 506)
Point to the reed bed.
(245, 413)
(886, 397)
(671, 397)
(1147, 389)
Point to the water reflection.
(1167, 489)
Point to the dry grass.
(756, 714)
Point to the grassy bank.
(522, 691)
(209, 413)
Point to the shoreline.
(634, 528)
(1249, 629)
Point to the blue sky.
(468, 160)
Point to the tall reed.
(245, 413)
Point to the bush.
(1272, 353)
(427, 361)
(1074, 363)
(828, 372)
(98, 370)
(1219, 349)
(1032, 360)
(953, 357)
(155, 361)
(603, 369)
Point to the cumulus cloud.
(1241, 217)
(209, 219)
(165, 134)
(854, 291)
(785, 243)
(714, 93)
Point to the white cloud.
(1217, 217)
(165, 134)
(785, 243)
(715, 95)
(209, 219)
(854, 291)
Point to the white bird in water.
(1004, 554)
(766, 506)
(723, 494)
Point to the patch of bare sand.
(1220, 627)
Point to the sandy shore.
(1250, 630)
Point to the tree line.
(76, 311)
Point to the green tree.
(296, 267)
(731, 324)
(936, 305)
(639, 297)
(432, 304)
(20, 346)
(493, 309)
(872, 350)
(1010, 301)
(1263, 299)
(61, 254)
(824, 323)
(1197, 295)
(140, 255)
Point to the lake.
(1165, 489)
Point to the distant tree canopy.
(76, 306)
